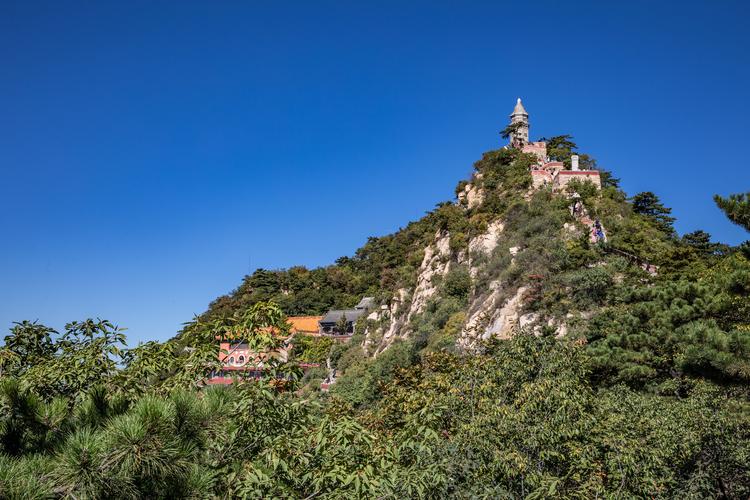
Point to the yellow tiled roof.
(304, 323)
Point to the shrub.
(590, 286)
(457, 282)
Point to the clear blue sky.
(152, 153)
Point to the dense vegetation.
(646, 395)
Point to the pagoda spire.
(520, 135)
(519, 109)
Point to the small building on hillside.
(332, 323)
(239, 361)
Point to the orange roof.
(304, 323)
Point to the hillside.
(506, 257)
(543, 335)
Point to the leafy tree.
(28, 344)
(608, 180)
(737, 210)
(312, 349)
(86, 354)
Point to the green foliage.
(647, 204)
(504, 169)
(27, 479)
(590, 286)
(700, 242)
(28, 344)
(522, 420)
(511, 129)
(608, 180)
(457, 283)
(86, 354)
(562, 147)
(309, 349)
(364, 380)
(655, 333)
(444, 337)
(342, 325)
(736, 207)
(585, 189)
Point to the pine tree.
(649, 206)
(736, 208)
(342, 325)
(700, 241)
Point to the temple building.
(329, 324)
(238, 360)
(545, 172)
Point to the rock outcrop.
(472, 196)
(436, 263)
(491, 316)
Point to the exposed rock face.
(483, 244)
(394, 327)
(497, 311)
(472, 196)
(526, 320)
(389, 323)
(534, 323)
(436, 262)
(492, 319)
(489, 314)
(486, 243)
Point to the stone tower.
(520, 137)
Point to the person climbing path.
(599, 232)
(579, 212)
